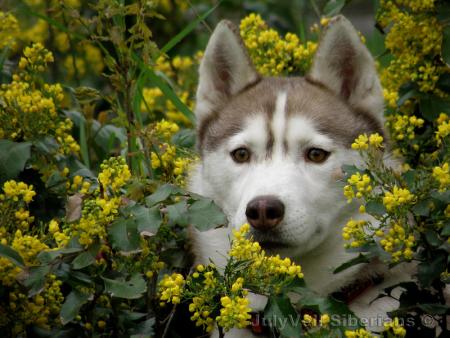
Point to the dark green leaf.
(143, 329)
(13, 157)
(150, 220)
(162, 193)
(205, 214)
(12, 255)
(131, 289)
(123, 235)
(354, 261)
(184, 138)
(441, 196)
(34, 278)
(431, 106)
(434, 309)
(333, 7)
(446, 44)
(178, 213)
(432, 238)
(72, 305)
(421, 208)
(83, 260)
(375, 208)
(444, 82)
(281, 314)
(446, 230)
(429, 271)
(46, 257)
(406, 92)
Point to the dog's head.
(272, 148)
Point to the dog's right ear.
(225, 70)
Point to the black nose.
(264, 212)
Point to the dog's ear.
(344, 65)
(225, 69)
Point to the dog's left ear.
(225, 70)
(344, 65)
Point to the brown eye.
(317, 155)
(240, 155)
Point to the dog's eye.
(317, 155)
(241, 155)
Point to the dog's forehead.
(329, 114)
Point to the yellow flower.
(442, 175)
(171, 288)
(397, 198)
(361, 142)
(235, 312)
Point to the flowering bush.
(96, 141)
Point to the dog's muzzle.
(265, 212)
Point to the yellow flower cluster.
(201, 313)
(362, 142)
(442, 175)
(358, 333)
(357, 183)
(397, 242)
(18, 190)
(101, 208)
(403, 126)
(166, 129)
(171, 288)
(9, 30)
(235, 312)
(414, 38)
(115, 174)
(443, 128)
(357, 231)
(35, 58)
(271, 54)
(246, 249)
(397, 198)
(395, 328)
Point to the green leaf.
(431, 106)
(34, 278)
(421, 208)
(143, 329)
(354, 261)
(178, 213)
(12, 255)
(46, 257)
(189, 28)
(333, 7)
(432, 238)
(446, 45)
(84, 149)
(168, 92)
(434, 309)
(184, 138)
(123, 235)
(72, 305)
(83, 260)
(162, 193)
(428, 271)
(150, 220)
(283, 316)
(441, 196)
(375, 208)
(131, 289)
(446, 230)
(13, 157)
(350, 169)
(205, 214)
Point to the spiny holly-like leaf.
(72, 305)
(13, 157)
(12, 255)
(129, 289)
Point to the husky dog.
(271, 155)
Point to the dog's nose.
(264, 212)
